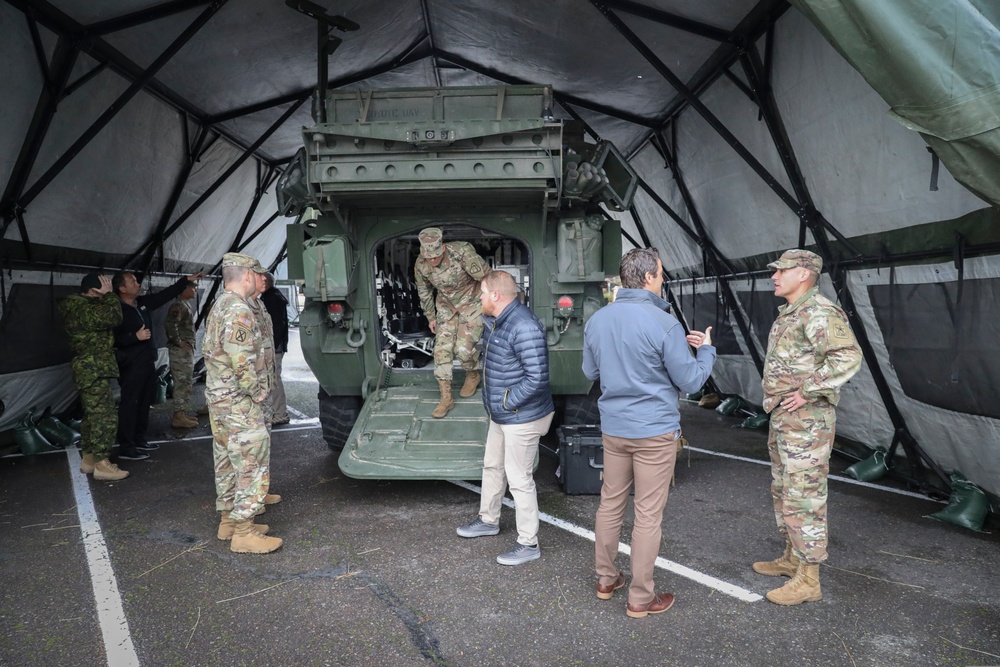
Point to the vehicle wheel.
(582, 409)
(337, 415)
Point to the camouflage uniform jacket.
(810, 348)
(456, 280)
(89, 321)
(233, 350)
(179, 324)
(267, 333)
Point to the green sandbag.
(967, 506)
(696, 396)
(57, 432)
(871, 468)
(29, 438)
(760, 421)
(731, 406)
(161, 392)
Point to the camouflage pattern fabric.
(799, 444)
(449, 296)
(100, 418)
(242, 454)
(812, 349)
(235, 379)
(181, 367)
(179, 326)
(89, 322)
(457, 337)
(267, 355)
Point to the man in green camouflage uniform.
(267, 345)
(89, 318)
(811, 354)
(452, 271)
(235, 389)
(179, 326)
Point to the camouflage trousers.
(457, 337)
(181, 367)
(100, 418)
(242, 453)
(800, 443)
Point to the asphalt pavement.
(372, 573)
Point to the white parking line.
(662, 563)
(837, 478)
(110, 614)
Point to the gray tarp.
(937, 65)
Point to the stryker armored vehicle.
(490, 166)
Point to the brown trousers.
(649, 462)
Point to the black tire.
(337, 415)
(582, 409)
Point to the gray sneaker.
(521, 553)
(478, 528)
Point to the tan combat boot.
(447, 402)
(87, 463)
(803, 587)
(181, 420)
(471, 383)
(782, 566)
(272, 499)
(106, 471)
(246, 540)
(227, 527)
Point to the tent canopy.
(148, 135)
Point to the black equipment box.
(581, 459)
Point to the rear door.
(395, 436)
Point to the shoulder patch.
(242, 335)
(245, 321)
(840, 332)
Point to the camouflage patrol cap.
(258, 267)
(793, 258)
(238, 259)
(431, 245)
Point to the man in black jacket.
(518, 399)
(136, 354)
(277, 307)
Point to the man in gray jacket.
(639, 352)
(518, 399)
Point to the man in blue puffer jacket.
(517, 397)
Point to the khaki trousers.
(649, 463)
(509, 461)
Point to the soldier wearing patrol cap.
(236, 386)
(811, 354)
(447, 277)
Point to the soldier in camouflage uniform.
(811, 353)
(235, 389)
(267, 345)
(179, 326)
(89, 318)
(452, 271)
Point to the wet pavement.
(372, 572)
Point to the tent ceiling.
(256, 52)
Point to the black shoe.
(133, 454)
(148, 446)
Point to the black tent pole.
(116, 106)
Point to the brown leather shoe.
(661, 602)
(605, 592)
